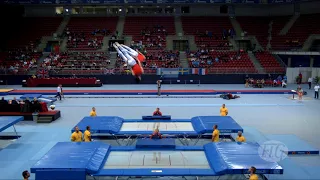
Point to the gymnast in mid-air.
(132, 58)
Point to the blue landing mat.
(86, 157)
(30, 96)
(226, 124)
(7, 121)
(237, 158)
(294, 144)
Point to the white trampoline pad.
(156, 159)
(163, 126)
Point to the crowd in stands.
(261, 83)
(152, 43)
(18, 61)
(154, 38)
(56, 62)
(94, 41)
(205, 58)
(225, 34)
(162, 59)
(208, 39)
(15, 105)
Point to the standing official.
(87, 135)
(310, 82)
(159, 87)
(59, 91)
(223, 110)
(215, 134)
(316, 91)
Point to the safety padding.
(97, 159)
(156, 143)
(164, 117)
(204, 124)
(214, 158)
(101, 124)
(237, 158)
(30, 96)
(156, 172)
(71, 156)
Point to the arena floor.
(269, 113)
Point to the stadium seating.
(150, 30)
(259, 26)
(18, 62)
(134, 25)
(304, 26)
(269, 63)
(32, 30)
(199, 25)
(87, 62)
(85, 26)
(229, 62)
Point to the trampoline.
(74, 161)
(8, 121)
(131, 129)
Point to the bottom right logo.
(273, 151)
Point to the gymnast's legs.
(132, 58)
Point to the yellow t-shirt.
(93, 113)
(87, 136)
(223, 111)
(76, 137)
(241, 139)
(254, 177)
(215, 135)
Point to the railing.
(182, 71)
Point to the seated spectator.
(157, 112)
(284, 84)
(15, 101)
(93, 112)
(274, 82)
(156, 134)
(3, 101)
(36, 105)
(240, 137)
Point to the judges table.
(53, 82)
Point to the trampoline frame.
(184, 139)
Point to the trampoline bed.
(74, 161)
(157, 159)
